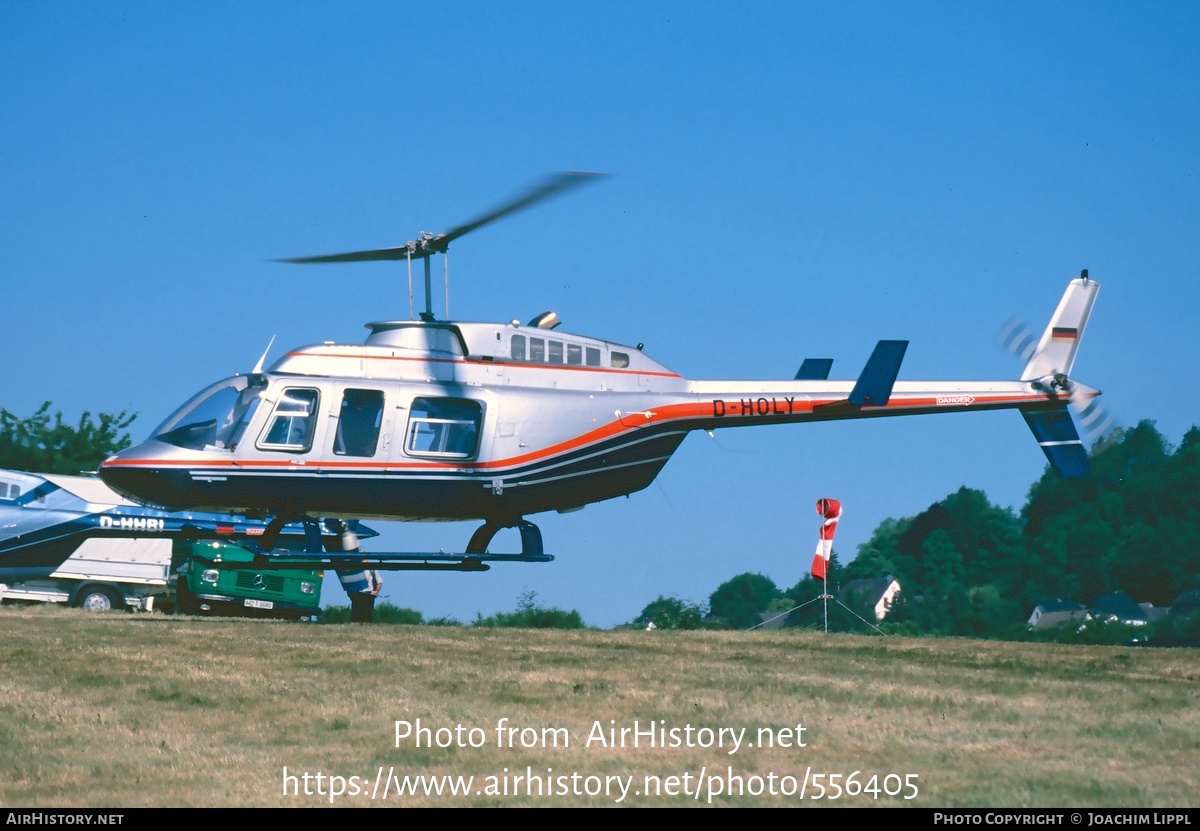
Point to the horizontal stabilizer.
(1059, 440)
(874, 386)
(814, 369)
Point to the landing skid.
(326, 552)
(392, 561)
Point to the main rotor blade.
(427, 245)
(377, 254)
(553, 185)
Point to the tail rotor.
(1048, 359)
(1017, 339)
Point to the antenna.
(258, 367)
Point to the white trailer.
(103, 574)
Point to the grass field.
(124, 711)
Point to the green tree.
(45, 444)
(1132, 525)
(739, 601)
(877, 556)
(940, 557)
(672, 613)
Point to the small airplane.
(441, 420)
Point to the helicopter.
(441, 420)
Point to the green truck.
(220, 579)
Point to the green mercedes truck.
(216, 578)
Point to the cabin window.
(291, 425)
(358, 423)
(620, 360)
(541, 351)
(444, 427)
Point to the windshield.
(215, 417)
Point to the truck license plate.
(260, 604)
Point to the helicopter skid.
(324, 552)
(394, 561)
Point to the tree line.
(968, 567)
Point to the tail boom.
(735, 404)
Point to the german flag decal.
(1060, 334)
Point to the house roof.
(1048, 620)
(1118, 605)
(1059, 605)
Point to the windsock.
(830, 511)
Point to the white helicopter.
(447, 420)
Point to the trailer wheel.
(99, 599)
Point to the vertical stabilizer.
(1055, 353)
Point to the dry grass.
(126, 711)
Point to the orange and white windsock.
(830, 511)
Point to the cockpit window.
(216, 417)
(358, 423)
(620, 359)
(291, 425)
(443, 428)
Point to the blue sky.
(791, 180)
